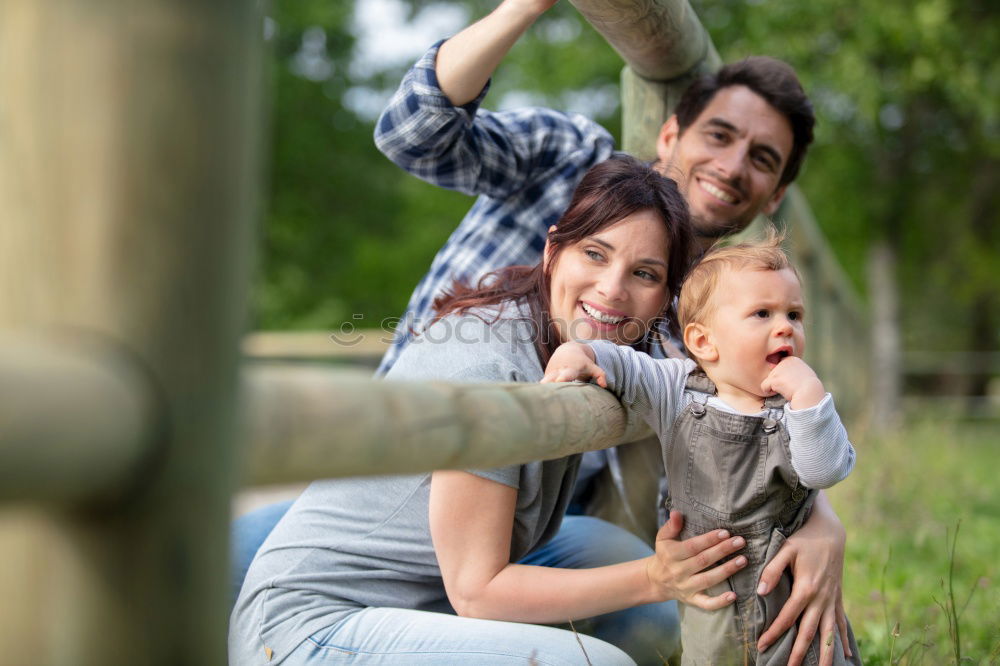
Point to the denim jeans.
(403, 636)
(648, 634)
(247, 535)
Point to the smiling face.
(729, 161)
(612, 284)
(754, 320)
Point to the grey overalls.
(735, 472)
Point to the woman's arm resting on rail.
(467, 61)
(816, 555)
(471, 520)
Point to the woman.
(442, 567)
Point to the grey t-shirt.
(347, 544)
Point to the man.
(736, 141)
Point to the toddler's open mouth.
(774, 358)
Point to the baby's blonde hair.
(701, 282)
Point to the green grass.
(922, 571)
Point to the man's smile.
(726, 197)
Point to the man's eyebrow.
(726, 125)
(723, 123)
(775, 155)
(645, 260)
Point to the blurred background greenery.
(905, 167)
(922, 510)
(904, 179)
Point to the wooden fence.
(129, 161)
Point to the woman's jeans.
(648, 634)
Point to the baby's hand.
(794, 379)
(573, 361)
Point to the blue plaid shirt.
(523, 166)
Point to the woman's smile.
(603, 316)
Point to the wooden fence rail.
(78, 420)
(305, 423)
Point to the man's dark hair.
(773, 80)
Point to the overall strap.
(699, 382)
(776, 401)
(775, 406)
(700, 388)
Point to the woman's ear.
(547, 252)
(699, 342)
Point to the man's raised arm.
(467, 61)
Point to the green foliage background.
(906, 573)
(907, 150)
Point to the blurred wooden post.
(128, 168)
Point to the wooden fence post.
(665, 48)
(128, 169)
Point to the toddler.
(747, 429)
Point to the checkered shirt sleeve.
(522, 166)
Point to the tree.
(346, 232)
(904, 165)
(903, 173)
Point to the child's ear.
(699, 342)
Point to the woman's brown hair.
(608, 193)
